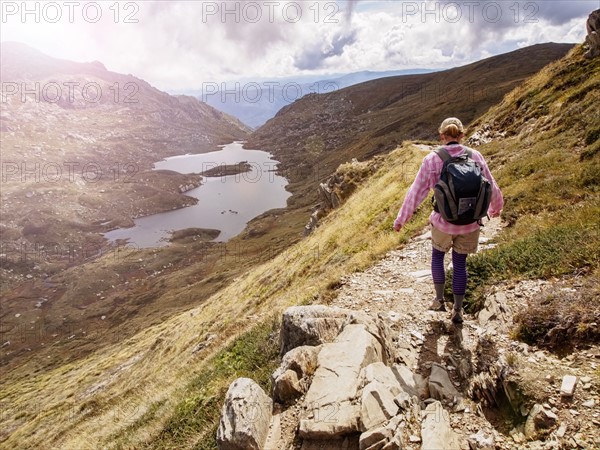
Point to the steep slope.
(78, 142)
(318, 132)
(128, 393)
(162, 387)
(543, 140)
(533, 308)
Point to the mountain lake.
(226, 203)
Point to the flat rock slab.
(436, 432)
(440, 385)
(331, 409)
(383, 374)
(567, 388)
(377, 405)
(411, 383)
(330, 421)
(421, 275)
(374, 436)
(291, 379)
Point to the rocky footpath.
(376, 370)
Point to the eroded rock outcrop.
(336, 382)
(592, 40)
(339, 186)
(342, 384)
(441, 387)
(311, 325)
(436, 432)
(292, 378)
(339, 372)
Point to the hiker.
(462, 239)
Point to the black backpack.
(462, 194)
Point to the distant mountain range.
(256, 101)
(318, 132)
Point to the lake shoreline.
(237, 186)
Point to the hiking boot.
(437, 305)
(457, 316)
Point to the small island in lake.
(194, 234)
(228, 169)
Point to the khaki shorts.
(461, 243)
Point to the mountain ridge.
(256, 101)
(162, 387)
(59, 117)
(312, 132)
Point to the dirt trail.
(400, 284)
(399, 287)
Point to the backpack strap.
(445, 155)
(442, 153)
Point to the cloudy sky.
(178, 45)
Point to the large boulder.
(330, 406)
(311, 325)
(387, 437)
(411, 383)
(436, 432)
(287, 387)
(376, 436)
(592, 40)
(377, 405)
(381, 330)
(245, 417)
(383, 374)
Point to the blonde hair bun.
(452, 127)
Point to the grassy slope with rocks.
(540, 241)
(152, 390)
(548, 165)
(147, 390)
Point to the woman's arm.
(416, 194)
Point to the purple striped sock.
(459, 275)
(437, 266)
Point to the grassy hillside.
(548, 165)
(151, 389)
(311, 136)
(162, 387)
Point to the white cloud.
(180, 45)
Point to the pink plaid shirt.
(428, 176)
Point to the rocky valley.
(105, 345)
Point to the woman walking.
(462, 239)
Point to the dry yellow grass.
(86, 404)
